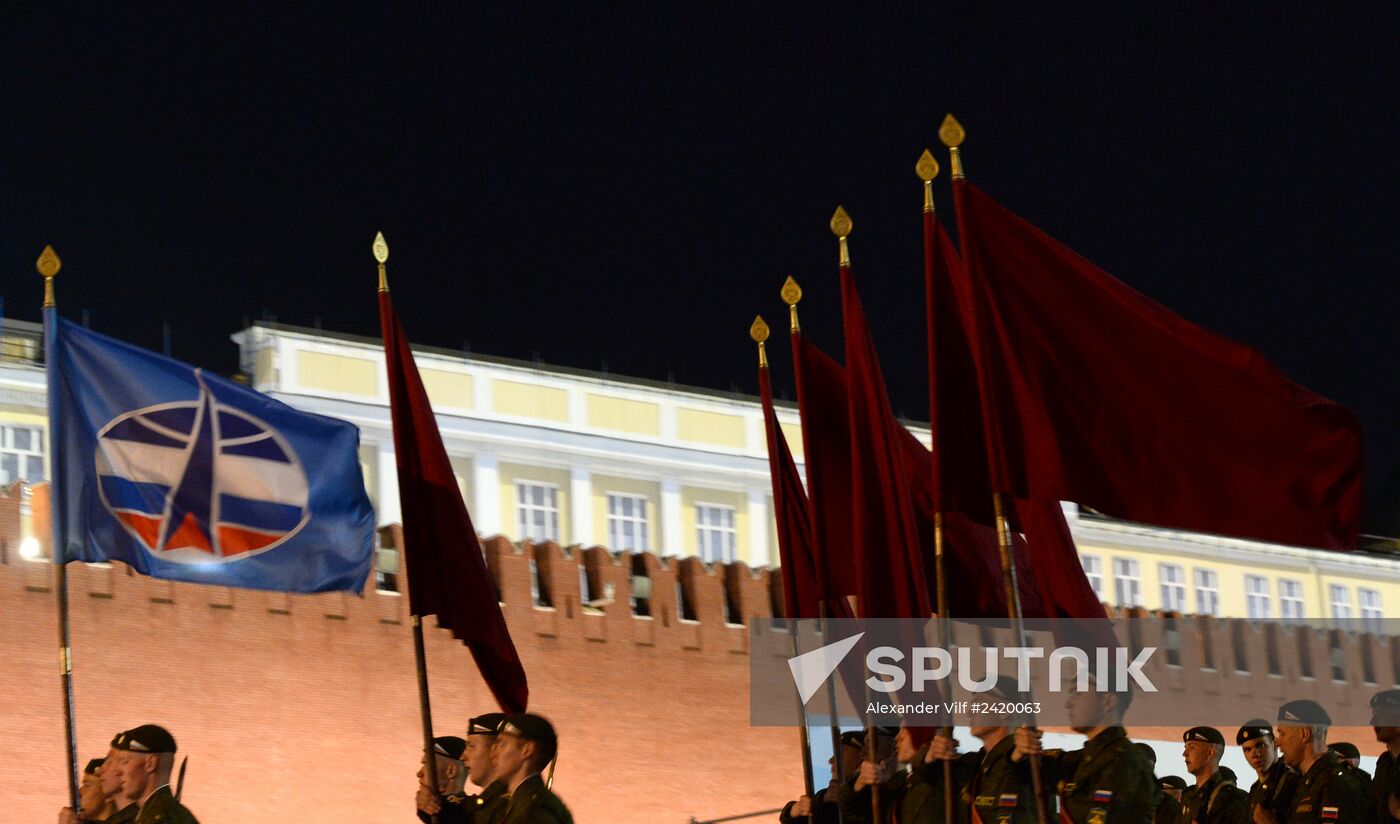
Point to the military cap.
(528, 726)
(853, 739)
(1172, 782)
(1252, 729)
(450, 746)
(1345, 749)
(145, 738)
(485, 724)
(1008, 689)
(1303, 711)
(1210, 735)
(1146, 750)
(1385, 709)
(93, 765)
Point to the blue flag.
(191, 477)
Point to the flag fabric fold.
(1096, 394)
(798, 562)
(188, 476)
(447, 574)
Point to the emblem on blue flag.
(189, 476)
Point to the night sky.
(631, 185)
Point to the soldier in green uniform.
(447, 801)
(145, 757)
(1106, 782)
(853, 798)
(1385, 784)
(1214, 799)
(821, 808)
(1275, 781)
(909, 794)
(525, 743)
(481, 767)
(994, 788)
(1327, 793)
(113, 806)
(1351, 758)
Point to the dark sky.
(631, 185)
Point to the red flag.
(447, 574)
(1050, 571)
(1096, 394)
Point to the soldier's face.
(90, 794)
(850, 759)
(480, 767)
(1292, 742)
(1086, 710)
(1387, 735)
(1261, 753)
(509, 754)
(1198, 755)
(110, 773)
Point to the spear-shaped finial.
(792, 293)
(381, 254)
(952, 135)
(927, 170)
(48, 265)
(841, 227)
(758, 330)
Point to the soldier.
(448, 800)
(821, 809)
(91, 799)
(1214, 799)
(1385, 785)
(113, 807)
(1275, 781)
(909, 796)
(994, 788)
(525, 743)
(853, 797)
(481, 767)
(1327, 792)
(145, 756)
(1173, 787)
(1351, 757)
(1106, 782)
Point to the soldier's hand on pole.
(428, 801)
(941, 748)
(1027, 743)
(802, 807)
(67, 816)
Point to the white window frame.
(1127, 582)
(1173, 581)
(1290, 601)
(1339, 597)
(725, 534)
(617, 520)
(1258, 601)
(1207, 585)
(22, 456)
(1093, 570)
(1372, 612)
(526, 508)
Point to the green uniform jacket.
(162, 808)
(1329, 794)
(466, 809)
(1384, 783)
(124, 816)
(1218, 801)
(1107, 782)
(1274, 792)
(913, 798)
(531, 803)
(995, 785)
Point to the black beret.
(1008, 689)
(485, 724)
(1252, 729)
(1345, 749)
(1210, 735)
(1172, 782)
(1385, 709)
(853, 739)
(1303, 711)
(530, 727)
(145, 738)
(450, 746)
(1146, 750)
(93, 765)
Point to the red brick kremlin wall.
(304, 708)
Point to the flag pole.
(48, 266)
(758, 332)
(841, 227)
(927, 169)
(420, 658)
(951, 133)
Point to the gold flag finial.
(841, 227)
(953, 135)
(927, 170)
(758, 330)
(48, 265)
(381, 254)
(792, 293)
